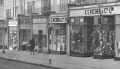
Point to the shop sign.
(99, 11)
(58, 19)
(110, 10)
(12, 23)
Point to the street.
(8, 64)
(58, 61)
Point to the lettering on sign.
(98, 11)
(58, 20)
(12, 23)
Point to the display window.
(57, 37)
(104, 37)
(3, 34)
(13, 37)
(81, 30)
(92, 39)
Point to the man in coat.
(32, 46)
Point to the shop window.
(103, 40)
(57, 37)
(81, 36)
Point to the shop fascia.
(58, 19)
(93, 11)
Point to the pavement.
(61, 61)
(9, 64)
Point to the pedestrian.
(32, 46)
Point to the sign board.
(12, 23)
(98, 11)
(93, 11)
(58, 19)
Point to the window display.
(57, 37)
(3, 36)
(13, 40)
(89, 38)
(80, 36)
(103, 39)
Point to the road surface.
(8, 64)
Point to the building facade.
(57, 33)
(94, 30)
(40, 31)
(58, 27)
(12, 8)
(39, 11)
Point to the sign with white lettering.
(109, 10)
(58, 19)
(12, 23)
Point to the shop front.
(13, 41)
(40, 32)
(25, 30)
(57, 34)
(3, 34)
(93, 30)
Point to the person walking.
(32, 46)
